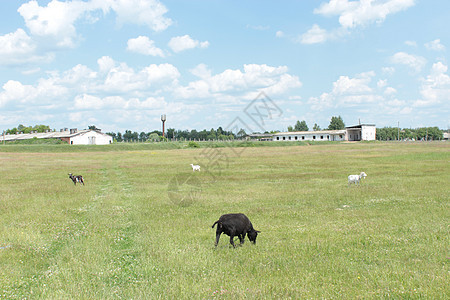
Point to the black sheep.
(235, 225)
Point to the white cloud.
(16, 42)
(90, 102)
(412, 61)
(351, 14)
(411, 43)
(142, 12)
(435, 88)
(55, 21)
(435, 45)
(144, 45)
(19, 48)
(360, 13)
(201, 71)
(347, 92)
(105, 64)
(185, 42)
(279, 34)
(253, 78)
(314, 36)
(123, 79)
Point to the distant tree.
(171, 133)
(143, 136)
(336, 123)
(290, 128)
(119, 137)
(113, 135)
(92, 127)
(316, 127)
(154, 137)
(241, 133)
(301, 126)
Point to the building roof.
(312, 132)
(46, 135)
(359, 126)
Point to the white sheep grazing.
(195, 168)
(356, 178)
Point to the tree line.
(417, 134)
(28, 129)
(179, 135)
(336, 123)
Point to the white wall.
(91, 138)
(368, 133)
(310, 137)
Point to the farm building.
(363, 132)
(72, 136)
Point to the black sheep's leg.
(231, 241)
(218, 233)
(241, 239)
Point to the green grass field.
(141, 226)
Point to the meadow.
(141, 226)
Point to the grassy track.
(123, 235)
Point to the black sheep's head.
(252, 235)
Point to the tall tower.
(163, 120)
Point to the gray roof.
(44, 135)
(312, 132)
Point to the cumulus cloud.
(19, 48)
(91, 102)
(54, 21)
(185, 42)
(314, 36)
(57, 19)
(414, 62)
(143, 45)
(279, 34)
(253, 77)
(435, 88)
(142, 12)
(435, 45)
(352, 14)
(347, 92)
(360, 13)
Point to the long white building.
(72, 136)
(363, 132)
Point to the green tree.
(241, 133)
(290, 128)
(301, 126)
(154, 137)
(316, 127)
(336, 123)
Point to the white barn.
(87, 137)
(324, 135)
(363, 132)
(72, 136)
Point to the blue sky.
(120, 64)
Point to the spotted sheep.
(76, 179)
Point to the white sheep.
(356, 178)
(195, 168)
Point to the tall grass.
(120, 235)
